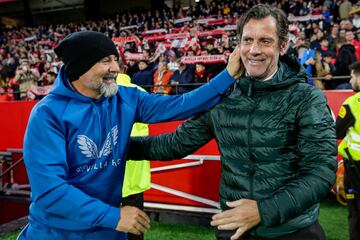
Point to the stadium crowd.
(171, 51)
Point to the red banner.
(134, 56)
(171, 36)
(121, 40)
(208, 59)
(216, 22)
(155, 38)
(211, 33)
(155, 31)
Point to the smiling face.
(100, 79)
(260, 48)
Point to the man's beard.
(108, 90)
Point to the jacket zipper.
(252, 171)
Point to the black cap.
(79, 51)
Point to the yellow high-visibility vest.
(137, 173)
(352, 138)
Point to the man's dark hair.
(355, 67)
(262, 11)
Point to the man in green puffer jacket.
(276, 137)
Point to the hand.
(235, 67)
(133, 220)
(310, 61)
(328, 77)
(243, 216)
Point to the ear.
(284, 47)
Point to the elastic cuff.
(111, 218)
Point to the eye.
(246, 41)
(105, 60)
(266, 42)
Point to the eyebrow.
(105, 59)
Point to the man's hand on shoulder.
(133, 220)
(243, 215)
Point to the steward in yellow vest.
(348, 129)
(137, 173)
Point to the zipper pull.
(251, 86)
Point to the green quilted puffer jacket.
(277, 144)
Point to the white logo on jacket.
(90, 149)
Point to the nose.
(114, 66)
(255, 48)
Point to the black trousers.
(135, 200)
(313, 232)
(353, 205)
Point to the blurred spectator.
(132, 68)
(350, 39)
(25, 77)
(307, 59)
(48, 77)
(144, 77)
(356, 20)
(316, 39)
(322, 70)
(342, 33)
(201, 73)
(162, 77)
(226, 9)
(328, 64)
(184, 75)
(324, 47)
(210, 47)
(294, 48)
(345, 57)
(331, 38)
(344, 9)
(173, 63)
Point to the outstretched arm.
(187, 138)
(153, 108)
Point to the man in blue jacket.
(77, 138)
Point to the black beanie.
(80, 51)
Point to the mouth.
(109, 78)
(256, 61)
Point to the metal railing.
(11, 187)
